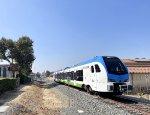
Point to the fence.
(141, 84)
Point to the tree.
(11, 49)
(7, 49)
(24, 55)
(48, 73)
(20, 51)
(38, 74)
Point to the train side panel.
(96, 79)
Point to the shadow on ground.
(52, 85)
(10, 95)
(141, 100)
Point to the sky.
(66, 32)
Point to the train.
(103, 74)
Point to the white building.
(4, 71)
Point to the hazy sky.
(66, 32)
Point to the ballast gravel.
(82, 103)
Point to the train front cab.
(117, 75)
(119, 86)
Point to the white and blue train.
(100, 74)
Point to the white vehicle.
(100, 74)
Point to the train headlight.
(111, 80)
(110, 87)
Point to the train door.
(93, 78)
(101, 77)
(97, 75)
(86, 75)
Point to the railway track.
(133, 106)
(120, 101)
(40, 83)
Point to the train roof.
(95, 59)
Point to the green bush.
(7, 84)
(23, 79)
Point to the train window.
(60, 76)
(68, 75)
(92, 69)
(72, 75)
(57, 75)
(79, 76)
(115, 66)
(63, 77)
(97, 69)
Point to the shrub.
(7, 84)
(23, 79)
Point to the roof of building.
(135, 63)
(141, 70)
(138, 65)
(3, 62)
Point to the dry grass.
(35, 101)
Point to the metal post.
(127, 89)
(146, 77)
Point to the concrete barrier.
(6, 110)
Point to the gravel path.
(85, 104)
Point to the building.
(4, 70)
(139, 70)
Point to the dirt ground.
(32, 100)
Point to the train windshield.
(115, 66)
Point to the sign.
(13, 67)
